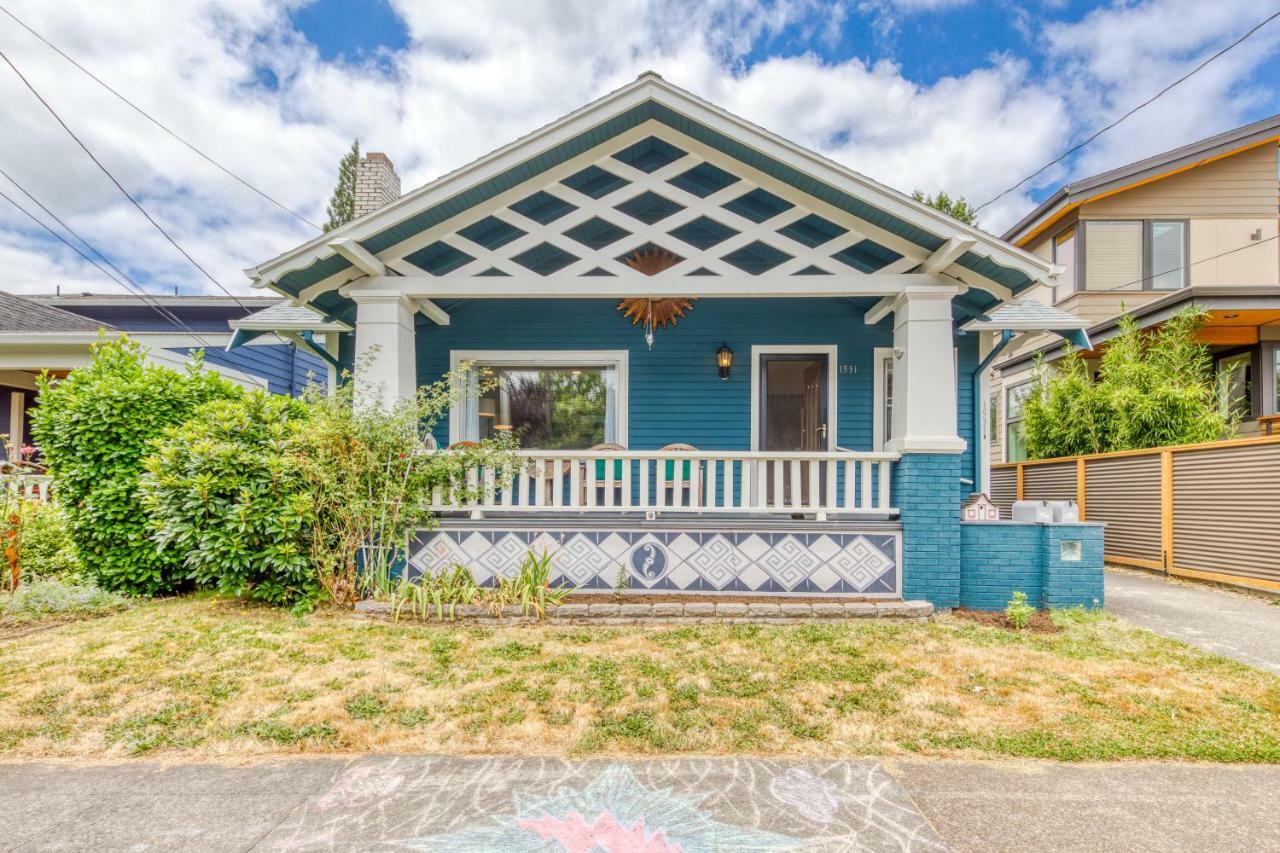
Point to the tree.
(342, 204)
(1153, 390)
(956, 208)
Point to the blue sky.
(963, 95)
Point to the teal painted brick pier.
(926, 493)
(1002, 557)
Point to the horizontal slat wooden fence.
(1209, 511)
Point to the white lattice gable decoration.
(716, 214)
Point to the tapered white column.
(386, 356)
(924, 374)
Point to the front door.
(794, 409)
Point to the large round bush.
(226, 497)
(94, 428)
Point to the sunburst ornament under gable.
(653, 313)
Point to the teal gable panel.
(675, 393)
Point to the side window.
(1015, 444)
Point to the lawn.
(202, 677)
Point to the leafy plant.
(54, 595)
(530, 589)
(371, 477)
(621, 580)
(1153, 390)
(47, 549)
(226, 496)
(95, 427)
(436, 593)
(1019, 611)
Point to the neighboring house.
(1195, 225)
(825, 360)
(54, 333)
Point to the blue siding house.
(732, 365)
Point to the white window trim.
(617, 359)
(829, 350)
(879, 356)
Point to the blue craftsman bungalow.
(732, 364)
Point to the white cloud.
(479, 74)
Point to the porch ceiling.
(649, 165)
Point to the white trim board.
(831, 351)
(878, 395)
(618, 359)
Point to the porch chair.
(679, 474)
(600, 474)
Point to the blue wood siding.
(283, 366)
(676, 394)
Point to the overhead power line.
(295, 214)
(1073, 149)
(127, 283)
(120, 186)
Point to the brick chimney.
(377, 183)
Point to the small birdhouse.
(978, 507)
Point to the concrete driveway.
(1233, 624)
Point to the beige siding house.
(1196, 225)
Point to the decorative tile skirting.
(777, 560)
(673, 611)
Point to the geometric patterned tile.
(773, 562)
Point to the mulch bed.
(696, 598)
(1040, 623)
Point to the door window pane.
(556, 408)
(795, 404)
(1168, 255)
(1113, 255)
(1235, 384)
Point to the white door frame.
(829, 350)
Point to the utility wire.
(120, 186)
(1073, 149)
(157, 122)
(154, 305)
(1187, 265)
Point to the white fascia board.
(589, 287)
(652, 87)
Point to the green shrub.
(1153, 390)
(55, 595)
(371, 477)
(95, 428)
(1019, 611)
(47, 549)
(226, 498)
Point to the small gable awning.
(299, 324)
(1031, 315)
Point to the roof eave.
(647, 87)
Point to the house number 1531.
(848, 368)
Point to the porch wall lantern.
(724, 360)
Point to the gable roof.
(19, 315)
(883, 210)
(1073, 195)
(284, 316)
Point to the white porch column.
(924, 373)
(386, 357)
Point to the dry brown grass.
(208, 678)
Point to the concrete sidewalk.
(1237, 625)
(514, 804)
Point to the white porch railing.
(30, 487)
(697, 482)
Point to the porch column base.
(926, 491)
